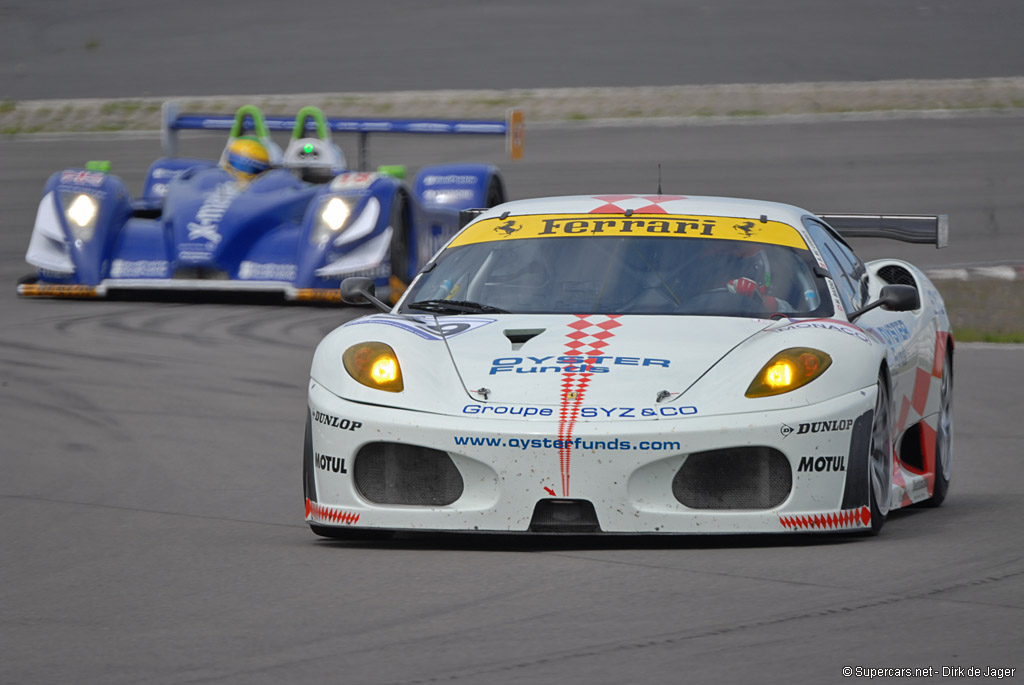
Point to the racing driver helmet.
(246, 157)
(750, 261)
(725, 261)
(750, 274)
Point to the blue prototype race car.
(260, 219)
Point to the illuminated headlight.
(331, 219)
(335, 213)
(80, 210)
(789, 370)
(375, 365)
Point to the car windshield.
(486, 270)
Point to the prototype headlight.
(331, 218)
(80, 210)
(789, 370)
(375, 365)
(334, 213)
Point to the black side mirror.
(467, 215)
(894, 298)
(900, 298)
(360, 290)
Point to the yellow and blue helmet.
(246, 157)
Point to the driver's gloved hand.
(748, 288)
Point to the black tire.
(308, 478)
(495, 192)
(880, 456)
(944, 436)
(401, 246)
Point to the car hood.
(214, 220)
(595, 360)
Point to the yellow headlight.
(789, 370)
(375, 365)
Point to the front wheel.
(880, 457)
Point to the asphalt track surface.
(151, 506)
(150, 497)
(128, 48)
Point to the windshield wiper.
(460, 306)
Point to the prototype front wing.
(767, 472)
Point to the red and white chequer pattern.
(319, 513)
(640, 204)
(840, 520)
(588, 337)
(911, 410)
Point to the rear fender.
(457, 186)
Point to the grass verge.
(985, 310)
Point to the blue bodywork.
(196, 227)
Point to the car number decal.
(354, 180)
(426, 327)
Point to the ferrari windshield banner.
(636, 225)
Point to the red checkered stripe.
(589, 337)
(324, 514)
(917, 402)
(641, 204)
(840, 520)
(900, 482)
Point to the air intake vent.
(203, 273)
(738, 478)
(564, 516)
(518, 337)
(896, 275)
(394, 473)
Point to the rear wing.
(513, 128)
(910, 228)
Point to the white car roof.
(695, 205)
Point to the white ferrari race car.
(638, 364)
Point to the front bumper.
(288, 291)
(624, 468)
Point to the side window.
(846, 269)
(858, 271)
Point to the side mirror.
(900, 298)
(360, 290)
(467, 215)
(893, 298)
